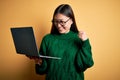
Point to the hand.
(37, 60)
(82, 35)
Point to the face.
(62, 23)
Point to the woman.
(67, 43)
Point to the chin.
(62, 32)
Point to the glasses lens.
(55, 22)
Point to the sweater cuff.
(85, 43)
(41, 69)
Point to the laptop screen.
(24, 41)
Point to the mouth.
(60, 29)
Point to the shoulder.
(48, 37)
(76, 38)
(75, 35)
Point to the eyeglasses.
(62, 23)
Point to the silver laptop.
(25, 43)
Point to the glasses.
(62, 23)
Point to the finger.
(80, 33)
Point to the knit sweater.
(75, 54)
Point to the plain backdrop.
(100, 19)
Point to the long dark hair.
(66, 10)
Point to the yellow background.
(99, 18)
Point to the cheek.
(68, 26)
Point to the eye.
(62, 22)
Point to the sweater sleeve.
(84, 58)
(41, 69)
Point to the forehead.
(60, 16)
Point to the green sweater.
(75, 54)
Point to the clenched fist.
(82, 35)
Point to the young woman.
(67, 43)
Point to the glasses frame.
(62, 23)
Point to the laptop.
(25, 43)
